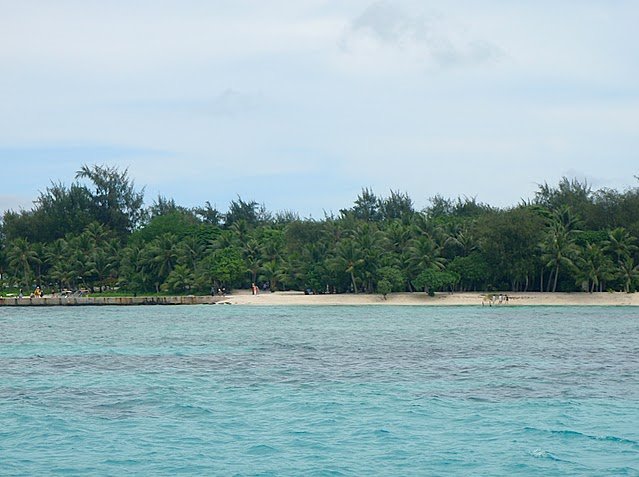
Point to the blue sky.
(299, 105)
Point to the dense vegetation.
(97, 233)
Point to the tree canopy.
(98, 233)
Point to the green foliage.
(472, 271)
(180, 280)
(58, 211)
(95, 234)
(114, 200)
(392, 276)
(384, 287)
(176, 222)
(223, 267)
(433, 279)
(249, 212)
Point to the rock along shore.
(102, 300)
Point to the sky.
(301, 104)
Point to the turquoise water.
(397, 391)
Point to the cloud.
(429, 37)
(203, 100)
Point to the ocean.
(319, 391)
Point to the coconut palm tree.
(181, 279)
(593, 265)
(371, 243)
(558, 251)
(97, 234)
(102, 264)
(190, 251)
(423, 254)
(620, 244)
(348, 259)
(273, 272)
(22, 255)
(252, 257)
(629, 273)
(164, 254)
(136, 267)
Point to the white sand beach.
(242, 297)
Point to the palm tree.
(273, 272)
(164, 254)
(558, 250)
(558, 247)
(64, 273)
(181, 279)
(190, 251)
(348, 259)
(620, 244)
(252, 257)
(593, 265)
(102, 263)
(461, 238)
(22, 255)
(629, 273)
(97, 233)
(136, 266)
(55, 254)
(371, 243)
(423, 254)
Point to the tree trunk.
(554, 287)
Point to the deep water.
(396, 391)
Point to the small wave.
(326, 473)
(577, 434)
(543, 454)
(382, 432)
(261, 449)
(621, 440)
(191, 409)
(619, 471)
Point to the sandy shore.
(242, 297)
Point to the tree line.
(98, 234)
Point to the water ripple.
(319, 391)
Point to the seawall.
(120, 300)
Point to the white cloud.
(410, 34)
(332, 95)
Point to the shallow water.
(231, 390)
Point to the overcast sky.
(300, 104)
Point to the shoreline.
(243, 297)
(295, 298)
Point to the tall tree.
(22, 256)
(559, 248)
(116, 202)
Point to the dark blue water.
(231, 390)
